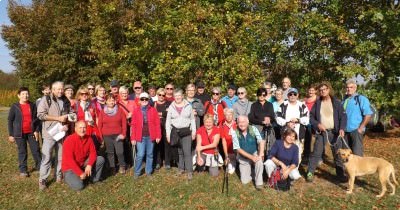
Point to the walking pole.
(134, 155)
(225, 182)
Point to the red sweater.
(153, 121)
(225, 133)
(207, 139)
(76, 151)
(111, 125)
(27, 118)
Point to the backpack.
(276, 182)
(66, 104)
(375, 114)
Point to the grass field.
(165, 191)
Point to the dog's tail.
(394, 177)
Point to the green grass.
(165, 191)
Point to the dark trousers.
(23, 152)
(307, 142)
(113, 148)
(128, 148)
(76, 183)
(170, 152)
(159, 152)
(355, 142)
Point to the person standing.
(216, 106)
(262, 113)
(201, 94)
(169, 92)
(52, 109)
(328, 119)
(226, 129)
(231, 98)
(286, 83)
(243, 105)
(309, 101)
(359, 113)
(23, 128)
(197, 106)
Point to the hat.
(144, 95)
(292, 90)
(200, 84)
(114, 83)
(66, 87)
(232, 87)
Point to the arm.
(168, 126)
(270, 112)
(213, 145)
(192, 124)
(280, 116)
(305, 115)
(200, 109)
(11, 118)
(123, 121)
(69, 157)
(43, 110)
(260, 141)
(342, 118)
(313, 116)
(157, 124)
(253, 116)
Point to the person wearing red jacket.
(216, 106)
(145, 129)
(80, 160)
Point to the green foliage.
(219, 42)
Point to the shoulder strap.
(123, 106)
(357, 98)
(48, 99)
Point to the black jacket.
(15, 119)
(258, 112)
(339, 115)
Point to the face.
(137, 87)
(243, 123)
(124, 94)
(161, 96)
(229, 117)
(200, 90)
(178, 97)
(268, 88)
(311, 91)
(231, 92)
(144, 101)
(279, 95)
(351, 89)
(242, 94)
(261, 97)
(110, 103)
(58, 90)
(208, 124)
(324, 91)
(290, 138)
(190, 92)
(344, 154)
(69, 93)
(91, 89)
(46, 91)
(84, 96)
(292, 96)
(23, 96)
(169, 89)
(152, 92)
(285, 83)
(216, 95)
(114, 90)
(80, 129)
(101, 92)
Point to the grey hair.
(244, 117)
(217, 89)
(122, 88)
(242, 89)
(351, 81)
(57, 83)
(178, 91)
(228, 110)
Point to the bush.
(8, 97)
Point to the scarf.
(111, 112)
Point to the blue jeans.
(144, 147)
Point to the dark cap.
(200, 84)
(232, 87)
(114, 83)
(66, 87)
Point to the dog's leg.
(390, 183)
(383, 180)
(351, 184)
(394, 177)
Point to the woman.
(69, 94)
(262, 112)
(226, 129)
(269, 97)
(284, 154)
(112, 124)
(99, 101)
(279, 99)
(127, 107)
(207, 138)
(198, 108)
(163, 150)
(243, 105)
(216, 106)
(309, 100)
(145, 130)
(23, 129)
(180, 119)
(87, 113)
(90, 88)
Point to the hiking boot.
(167, 167)
(190, 176)
(158, 167)
(59, 179)
(310, 177)
(259, 187)
(42, 184)
(122, 170)
(23, 174)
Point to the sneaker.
(190, 176)
(167, 167)
(23, 174)
(135, 177)
(158, 166)
(122, 170)
(42, 184)
(259, 187)
(310, 177)
(59, 179)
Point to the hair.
(190, 85)
(122, 88)
(261, 91)
(245, 117)
(110, 95)
(152, 87)
(44, 87)
(228, 110)
(351, 81)
(21, 89)
(289, 131)
(279, 90)
(208, 117)
(160, 90)
(98, 87)
(178, 91)
(242, 89)
(267, 83)
(169, 84)
(89, 84)
(328, 85)
(81, 89)
(290, 81)
(57, 83)
(217, 89)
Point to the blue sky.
(5, 57)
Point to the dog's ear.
(351, 151)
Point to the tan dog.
(359, 166)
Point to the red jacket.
(209, 109)
(76, 151)
(137, 124)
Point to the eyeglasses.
(323, 89)
(240, 93)
(292, 94)
(190, 90)
(263, 95)
(137, 88)
(216, 94)
(163, 95)
(169, 88)
(144, 99)
(90, 88)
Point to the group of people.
(188, 129)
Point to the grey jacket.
(242, 108)
(184, 119)
(43, 110)
(199, 107)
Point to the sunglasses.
(263, 95)
(163, 95)
(84, 93)
(144, 99)
(90, 88)
(292, 94)
(216, 94)
(169, 88)
(240, 93)
(137, 88)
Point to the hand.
(227, 160)
(168, 140)
(321, 127)
(83, 176)
(283, 166)
(267, 120)
(341, 133)
(63, 118)
(160, 114)
(261, 155)
(200, 160)
(360, 130)
(199, 148)
(193, 136)
(133, 142)
(88, 170)
(158, 140)
(11, 139)
(290, 125)
(36, 135)
(102, 145)
(121, 137)
(64, 128)
(129, 115)
(194, 112)
(255, 158)
(286, 173)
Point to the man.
(231, 98)
(294, 114)
(328, 119)
(169, 92)
(45, 91)
(114, 88)
(200, 94)
(137, 90)
(79, 159)
(249, 146)
(51, 110)
(152, 92)
(359, 113)
(286, 83)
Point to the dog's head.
(344, 154)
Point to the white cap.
(144, 95)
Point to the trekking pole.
(134, 156)
(225, 182)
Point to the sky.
(5, 57)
